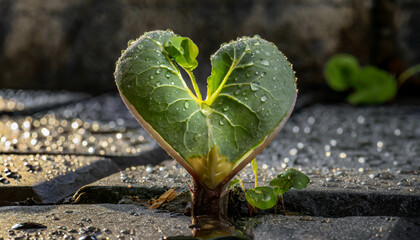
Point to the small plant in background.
(370, 85)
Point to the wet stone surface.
(299, 227)
(51, 134)
(331, 192)
(29, 101)
(345, 136)
(41, 178)
(107, 108)
(362, 161)
(100, 221)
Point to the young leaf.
(255, 169)
(252, 92)
(340, 71)
(291, 178)
(234, 182)
(261, 197)
(373, 86)
(183, 50)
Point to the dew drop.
(226, 108)
(187, 104)
(172, 83)
(263, 98)
(265, 62)
(248, 75)
(237, 92)
(246, 99)
(158, 84)
(256, 73)
(254, 86)
(263, 74)
(168, 74)
(222, 122)
(158, 70)
(130, 42)
(151, 77)
(197, 136)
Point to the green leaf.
(291, 178)
(234, 182)
(183, 50)
(254, 93)
(373, 86)
(340, 71)
(261, 197)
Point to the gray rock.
(350, 193)
(20, 102)
(102, 221)
(303, 227)
(49, 178)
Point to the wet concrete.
(363, 163)
(48, 178)
(19, 102)
(301, 227)
(331, 193)
(101, 220)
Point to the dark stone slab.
(102, 221)
(304, 227)
(49, 134)
(20, 102)
(104, 109)
(131, 221)
(333, 193)
(337, 136)
(44, 178)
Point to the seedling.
(250, 95)
(370, 85)
(267, 197)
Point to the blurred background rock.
(73, 45)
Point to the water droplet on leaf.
(226, 108)
(265, 62)
(187, 104)
(254, 86)
(263, 98)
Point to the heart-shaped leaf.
(251, 93)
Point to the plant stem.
(207, 201)
(282, 202)
(209, 210)
(195, 86)
(408, 73)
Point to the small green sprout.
(267, 197)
